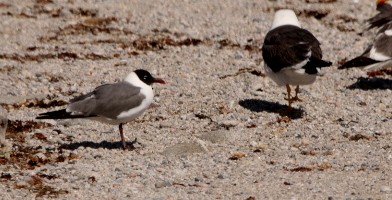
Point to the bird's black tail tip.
(324, 63)
(61, 114)
(58, 114)
(327, 63)
(360, 61)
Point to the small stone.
(199, 179)
(165, 124)
(73, 155)
(5, 150)
(221, 176)
(70, 122)
(187, 116)
(40, 156)
(258, 88)
(258, 19)
(98, 156)
(219, 136)
(159, 169)
(238, 56)
(72, 162)
(230, 123)
(22, 184)
(237, 155)
(162, 184)
(65, 13)
(298, 135)
(26, 74)
(201, 185)
(183, 149)
(325, 166)
(48, 8)
(3, 125)
(260, 147)
(132, 175)
(385, 189)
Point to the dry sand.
(220, 131)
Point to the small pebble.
(199, 179)
(201, 185)
(385, 189)
(221, 176)
(162, 184)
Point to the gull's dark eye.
(144, 76)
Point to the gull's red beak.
(159, 80)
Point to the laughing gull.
(383, 17)
(116, 103)
(292, 55)
(378, 55)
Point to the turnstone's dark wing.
(288, 46)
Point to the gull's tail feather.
(323, 63)
(360, 61)
(59, 114)
(379, 66)
(313, 67)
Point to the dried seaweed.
(36, 185)
(321, 167)
(321, 1)
(39, 57)
(83, 12)
(5, 176)
(382, 72)
(300, 169)
(44, 1)
(16, 129)
(357, 137)
(40, 136)
(31, 157)
(36, 103)
(245, 70)
(237, 155)
(318, 14)
(4, 5)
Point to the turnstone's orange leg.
(295, 98)
(289, 99)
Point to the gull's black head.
(147, 78)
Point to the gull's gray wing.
(107, 100)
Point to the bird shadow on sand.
(257, 105)
(95, 145)
(371, 83)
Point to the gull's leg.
(295, 98)
(288, 95)
(122, 136)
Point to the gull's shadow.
(257, 105)
(372, 83)
(95, 145)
